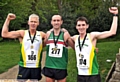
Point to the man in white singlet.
(85, 44)
(31, 47)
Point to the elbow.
(3, 35)
(113, 33)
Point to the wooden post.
(119, 50)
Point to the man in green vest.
(57, 52)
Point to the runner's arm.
(112, 31)
(46, 37)
(43, 38)
(69, 40)
(5, 29)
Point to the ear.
(61, 21)
(76, 27)
(28, 22)
(87, 26)
(51, 22)
(38, 23)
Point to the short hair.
(82, 19)
(34, 15)
(57, 15)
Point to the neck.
(56, 31)
(32, 31)
(82, 35)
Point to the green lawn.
(107, 50)
(10, 50)
(9, 55)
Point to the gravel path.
(12, 72)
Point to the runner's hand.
(113, 10)
(11, 16)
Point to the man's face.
(56, 21)
(33, 23)
(81, 26)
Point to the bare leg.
(49, 79)
(62, 80)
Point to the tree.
(19, 7)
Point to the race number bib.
(55, 51)
(31, 56)
(83, 61)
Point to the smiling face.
(56, 21)
(33, 22)
(81, 26)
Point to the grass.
(107, 50)
(9, 56)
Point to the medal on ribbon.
(55, 41)
(32, 40)
(55, 49)
(31, 47)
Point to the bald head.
(56, 21)
(56, 16)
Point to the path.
(12, 72)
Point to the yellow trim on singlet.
(23, 54)
(39, 52)
(91, 55)
(76, 37)
(22, 50)
(91, 59)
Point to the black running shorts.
(29, 73)
(56, 74)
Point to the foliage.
(45, 9)
(19, 7)
(103, 19)
(96, 12)
(68, 14)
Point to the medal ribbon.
(80, 46)
(55, 41)
(32, 40)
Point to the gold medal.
(31, 46)
(32, 39)
(55, 49)
(80, 55)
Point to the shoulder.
(94, 34)
(48, 33)
(42, 33)
(21, 32)
(74, 37)
(66, 33)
